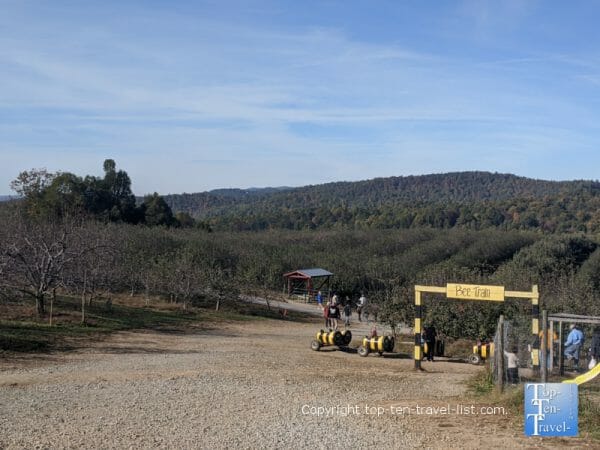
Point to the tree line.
(108, 198)
(53, 241)
(89, 258)
(189, 266)
(472, 200)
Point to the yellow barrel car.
(377, 344)
(481, 352)
(327, 338)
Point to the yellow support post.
(418, 313)
(535, 328)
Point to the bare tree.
(145, 259)
(221, 285)
(34, 253)
(186, 275)
(93, 273)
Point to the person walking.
(347, 312)
(595, 347)
(362, 303)
(326, 315)
(430, 335)
(335, 299)
(320, 299)
(574, 344)
(334, 315)
(512, 365)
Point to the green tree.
(156, 211)
(31, 184)
(184, 220)
(110, 198)
(118, 186)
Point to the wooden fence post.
(499, 352)
(544, 344)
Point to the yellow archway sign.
(477, 292)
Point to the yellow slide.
(584, 378)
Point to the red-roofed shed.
(307, 282)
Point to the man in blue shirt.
(574, 344)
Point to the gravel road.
(245, 385)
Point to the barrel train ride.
(377, 344)
(324, 338)
(481, 352)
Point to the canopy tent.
(307, 282)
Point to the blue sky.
(193, 96)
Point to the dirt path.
(252, 385)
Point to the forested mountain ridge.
(87, 235)
(463, 199)
(198, 203)
(472, 200)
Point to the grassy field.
(22, 331)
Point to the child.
(320, 299)
(347, 312)
(512, 365)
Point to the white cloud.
(157, 91)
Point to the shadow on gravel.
(386, 355)
(30, 342)
(397, 356)
(29, 336)
(146, 350)
(332, 349)
(456, 360)
(10, 360)
(349, 350)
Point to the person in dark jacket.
(429, 335)
(347, 312)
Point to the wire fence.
(515, 349)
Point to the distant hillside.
(464, 199)
(204, 204)
(244, 193)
